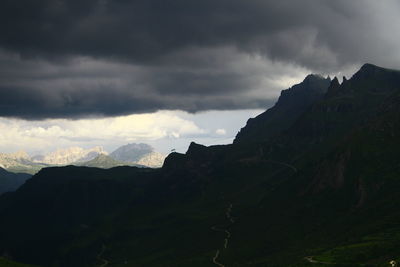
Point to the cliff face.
(344, 107)
(152, 160)
(290, 105)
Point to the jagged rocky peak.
(333, 87)
(312, 83)
(8, 160)
(152, 160)
(291, 103)
(20, 155)
(196, 150)
(142, 154)
(304, 93)
(315, 77)
(195, 154)
(16, 155)
(131, 152)
(374, 79)
(70, 155)
(335, 82)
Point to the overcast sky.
(67, 64)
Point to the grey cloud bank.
(72, 59)
(86, 87)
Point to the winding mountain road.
(100, 255)
(214, 260)
(228, 235)
(232, 221)
(310, 259)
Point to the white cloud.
(40, 136)
(220, 131)
(165, 130)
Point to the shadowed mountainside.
(11, 181)
(290, 105)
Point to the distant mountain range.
(69, 156)
(141, 154)
(131, 154)
(20, 162)
(304, 184)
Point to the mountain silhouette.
(11, 181)
(290, 105)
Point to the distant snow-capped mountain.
(153, 160)
(19, 162)
(141, 154)
(69, 155)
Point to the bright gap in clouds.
(165, 130)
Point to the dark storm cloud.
(146, 30)
(37, 104)
(84, 87)
(177, 54)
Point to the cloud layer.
(86, 87)
(71, 59)
(165, 130)
(48, 134)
